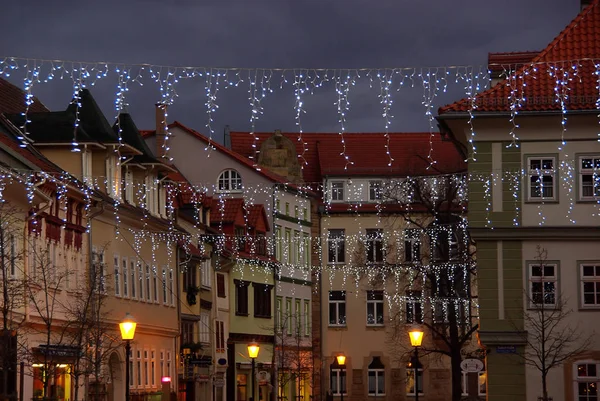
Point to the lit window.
(337, 382)
(587, 380)
(230, 180)
(410, 377)
(542, 177)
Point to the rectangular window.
(307, 253)
(171, 287)
(139, 367)
(132, 277)
(187, 332)
(162, 364)
(542, 284)
(305, 214)
(410, 381)
(164, 285)
(148, 287)
(375, 254)
(278, 244)
(204, 327)
(262, 300)
(129, 190)
(296, 211)
(590, 284)
(278, 314)
(338, 381)
(375, 190)
(98, 272)
(278, 206)
(336, 246)
(145, 367)
(206, 273)
(125, 278)
(288, 245)
(13, 256)
(376, 382)
(482, 388)
(337, 191)
(297, 248)
(287, 208)
(220, 285)
(589, 177)
(117, 276)
(153, 368)
(298, 318)
(337, 308)
(241, 297)
(288, 316)
(542, 178)
(306, 318)
(155, 283)
(220, 336)
(86, 158)
(140, 280)
(374, 308)
(113, 177)
(412, 247)
(413, 307)
(131, 369)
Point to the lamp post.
(127, 327)
(341, 360)
(416, 337)
(253, 350)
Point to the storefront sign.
(59, 350)
(471, 365)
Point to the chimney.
(585, 3)
(161, 129)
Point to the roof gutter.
(489, 114)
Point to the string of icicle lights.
(259, 83)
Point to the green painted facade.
(501, 320)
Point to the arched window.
(376, 377)
(230, 180)
(587, 379)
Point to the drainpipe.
(275, 379)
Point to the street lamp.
(253, 350)
(127, 327)
(341, 360)
(416, 337)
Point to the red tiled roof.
(323, 155)
(191, 249)
(255, 214)
(225, 210)
(12, 100)
(498, 62)
(578, 43)
(240, 158)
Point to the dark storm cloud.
(276, 33)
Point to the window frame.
(412, 300)
(337, 245)
(410, 372)
(339, 191)
(375, 190)
(337, 303)
(375, 246)
(375, 300)
(227, 177)
(542, 172)
(262, 300)
(412, 246)
(584, 379)
(595, 279)
(241, 297)
(117, 275)
(543, 279)
(593, 171)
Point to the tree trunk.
(455, 361)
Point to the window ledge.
(375, 326)
(338, 326)
(241, 314)
(536, 201)
(263, 316)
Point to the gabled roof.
(224, 211)
(578, 43)
(500, 62)
(59, 126)
(12, 100)
(255, 214)
(131, 135)
(323, 154)
(217, 146)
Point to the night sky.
(275, 34)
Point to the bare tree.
(12, 300)
(438, 267)
(293, 357)
(551, 337)
(48, 316)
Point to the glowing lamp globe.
(127, 327)
(253, 349)
(341, 359)
(416, 336)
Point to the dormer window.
(230, 180)
(113, 177)
(337, 191)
